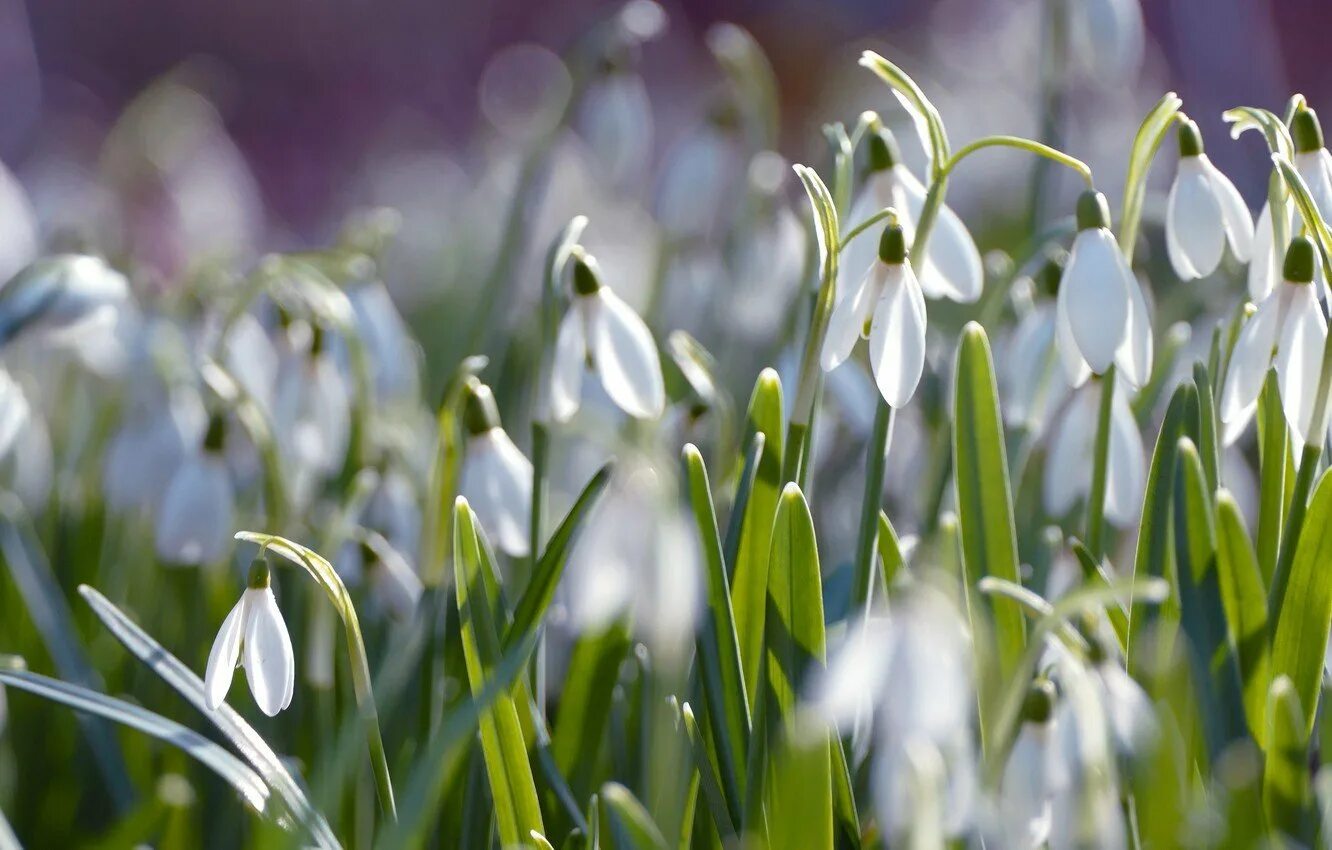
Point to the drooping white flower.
(952, 265)
(889, 307)
(194, 525)
(1068, 464)
(394, 355)
(254, 636)
(1203, 212)
(615, 118)
(602, 334)
(312, 415)
(1025, 793)
(1101, 314)
(61, 295)
(496, 478)
(1313, 162)
(146, 450)
(1109, 37)
(1128, 709)
(1031, 381)
(1290, 323)
(912, 673)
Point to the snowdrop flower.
(1033, 390)
(148, 447)
(14, 412)
(312, 413)
(1204, 212)
(952, 265)
(496, 478)
(1068, 463)
(1025, 792)
(889, 307)
(194, 524)
(1101, 315)
(61, 295)
(1128, 709)
(393, 353)
(912, 673)
(254, 636)
(1314, 164)
(602, 334)
(615, 118)
(1109, 37)
(1290, 321)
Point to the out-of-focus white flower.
(638, 558)
(62, 295)
(249, 355)
(952, 266)
(148, 447)
(1314, 164)
(1025, 792)
(698, 180)
(1101, 314)
(1127, 706)
(1290, 321)
(394, 355)
(890, 304)
(255, 636)
(615, 118)
(912, 673)
(194, 525)
(496, 478)
(18, 236)
(1033, 388)
(1109, 36)
(1203, 212)
(602, 334)
(1085, 809)
(1068, 465)
(312, 413)
(14, 412)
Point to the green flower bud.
(1305, 131)
(1038, 706)
(259, 577)
(480, 413)
(216, 435)
(892, 245)
(1190, 140)
(883, 150)
(1300, 260)
(586, 278)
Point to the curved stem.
(1020, 143)
(850, 235)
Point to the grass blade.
(1245, 598)
(1286, 794)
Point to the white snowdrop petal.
(1263, 272)
(848, 318)
(1314, 167)
(1126, 471)
(1076, 369)
(897, 336)
(625, 356)
(194, 525)
(1096, 299)
(1234, 212)
(952, 267)
(568, 364)
(860, 253)
(1135, 352)
(1298, 361)
(1250, 359)
(270, 666)
(497, 481)
(14, 412)
(1025, 789)
(223, 656)
(1195, 232)
(1068, 459)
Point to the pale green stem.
(1100, 467)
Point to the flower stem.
(886, 212)
(1100, 466)
(861, 592)
(1020, 143)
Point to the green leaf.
(512, 788)
(540, 590)
(1203, 614)
(436, 545)
(1300, 640)
(708, 779)
(1094, 574)
(1286, 794)
(242, 736)
(31, 572)
(246, 782)
(890, 553)
(984, 495)
(1208, 450)
(718, 650)
(1273, 460)
(1245, 598)
(633, 826)
(749, 592)
(585, 705)
(798, 780)
(1155, 555)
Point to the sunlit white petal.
(625, 356)
(1096, 298)
(223, 656)
(270, 665)
(569, 363)
(1195, 232)
(497, 481)
(897, 336)
(849, 315)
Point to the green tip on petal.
(259, 577)
(1039, 703)
(1305, 131)
(586, 279)
(1093, 211)
(1190, 140)
(480, 413)
(892, 245)
(883, 150)
(1300, 259)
